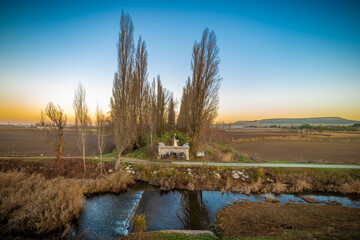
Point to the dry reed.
(271, 199)
(32, 204)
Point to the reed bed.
(31, 204)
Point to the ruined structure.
(173, 151)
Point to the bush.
(140, 226)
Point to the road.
(276, 165)
(217, 164)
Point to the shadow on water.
(109, 216)
(194, 211)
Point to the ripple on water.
(107, 216)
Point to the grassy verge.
(31, 160)
(170, 236)
(108, 155)
(31, 204)
(177, 236)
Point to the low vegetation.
(249, 180)
(170, 236)
(290, 221)
(31, 204)
(354, 127)
(139, 226)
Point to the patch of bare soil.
(302, 151)
(290, 221)
(68, 168)
(28, 142)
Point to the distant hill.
(299, 121)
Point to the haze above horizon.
(279, 59)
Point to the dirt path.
(189, 163)
(273, 165)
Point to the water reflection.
(193, 212)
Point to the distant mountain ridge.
(299, 121)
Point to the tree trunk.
(60, 152)
(101, 164)
(83, 151)
(118, 161)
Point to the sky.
(278, 58)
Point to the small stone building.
(173, 151)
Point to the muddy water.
(108, 216)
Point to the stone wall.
(165, 151)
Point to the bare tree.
(120, 100)
(53, 122)
(81, 119)
(100, 133)
(205, 84)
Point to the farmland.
(28, 142)
(266, 144)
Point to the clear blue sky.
(278, 58)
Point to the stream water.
(108, 216)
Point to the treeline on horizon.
(354, 127)
(142, 111)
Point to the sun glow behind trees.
(284, 59)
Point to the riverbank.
(249, 180)
(289, 221)
(203, 176)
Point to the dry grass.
(301, 185)
(35, 205)
(279, 187)
(271, 199)
(311, 200)
(259, 220)
(226, 157)
(353, 187)
(115, 183)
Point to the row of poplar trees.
(141, 109)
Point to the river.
(108, 216)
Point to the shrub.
(140, 226)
